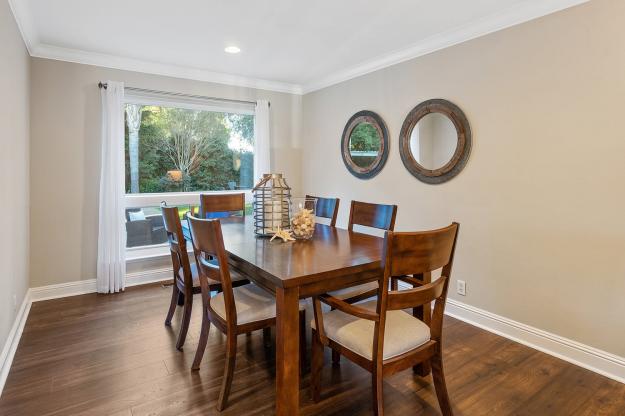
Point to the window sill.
(135, 254)
(177, 198)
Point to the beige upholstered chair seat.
(235, 276)
(353, 291)
(252, 304)
(403, 332)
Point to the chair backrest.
(208, 245)
(327, 208)
(221, 205)
(372, 215)
(417, 253)
(177, 244)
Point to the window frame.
(142, 200)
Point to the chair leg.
(201, 346)
(302, 342)
(422, 369)
(267, 337)
(377, 383)
(440, 385)
(316, 366)
(184, 324)
(336, 356)
(231, 357)
(172, 304)
(394, 284)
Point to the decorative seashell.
(285, 235)
(303, 223)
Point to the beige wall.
(65, 155)
(541, 201)
(14, 192)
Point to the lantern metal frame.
(271, 201)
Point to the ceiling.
(286, 45)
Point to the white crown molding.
(13, 339)
(521, 13)
(24, 21)
(590, 358)
(147, 67)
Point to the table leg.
(287, 352)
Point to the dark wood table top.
(332, 252)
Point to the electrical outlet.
(461, 287)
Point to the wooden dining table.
(333, 259)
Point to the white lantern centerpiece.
(272, 197)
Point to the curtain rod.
(176, 94)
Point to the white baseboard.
(574, 352)
(57, 291)
(82, 287)
(593, 359)
(10, 346)
(590, 358)
(63, 290)
(150, 276)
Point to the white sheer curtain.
(111, 234)
(262, 159)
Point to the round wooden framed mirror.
(364, 144)
(435, 141)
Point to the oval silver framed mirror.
(435, 141)
(364, 144)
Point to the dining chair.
(369, 215)
(222, 205)
(235, 310)
(379, 335)
(327, 208)
(365, 214)
(186, 282)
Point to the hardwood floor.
(112, 355)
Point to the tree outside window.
(172, 149)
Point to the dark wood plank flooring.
(112, 355)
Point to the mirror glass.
(433, 141)
(364, 145)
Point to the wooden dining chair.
(365, 214)
(222, 205)
(379, 335)
(369, 215)
(234, 311)
(186, 282)
(327, 208)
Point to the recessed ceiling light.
(232, 49)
